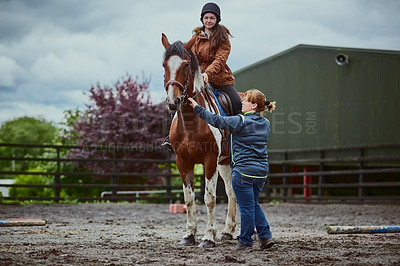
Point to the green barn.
(329, 96)
(335, 133)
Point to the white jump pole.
(23, 222)
(362, 229)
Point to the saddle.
(225, 107)
(223, 101)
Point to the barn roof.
(317, 47)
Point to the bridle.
(183, 88)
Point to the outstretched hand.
(193, 103)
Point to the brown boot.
(266, 243)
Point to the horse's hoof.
(188, 241)
(207, 244)
(226, 236)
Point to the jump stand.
(362, 229)
(23, 222)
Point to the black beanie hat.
(211, 8)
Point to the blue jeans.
(247, 191)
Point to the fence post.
(114, 177)
(293, 180)
(57, 178)
(168, 181)
(285, 178)
(307, 180)
(320, 177)
(267, 187)
(361, 175)
(203, 186)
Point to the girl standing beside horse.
(249, 162)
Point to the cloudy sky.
(51, 51)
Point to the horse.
(196, 142)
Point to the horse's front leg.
(208, 241)
(230, 222)
(187, 176)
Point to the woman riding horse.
(211, 46)
(195, 142)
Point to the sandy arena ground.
(128, 233)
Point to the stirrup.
(166, 144)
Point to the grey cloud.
(50, 48)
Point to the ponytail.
(270, 106)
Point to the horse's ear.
(165, 41)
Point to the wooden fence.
(357, 173)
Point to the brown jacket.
(212, 62)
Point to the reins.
(200, 91)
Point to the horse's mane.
(177, 49)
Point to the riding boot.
(166, 144)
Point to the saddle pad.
(224, 103)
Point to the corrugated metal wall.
(322, 104)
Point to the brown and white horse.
(196, 142)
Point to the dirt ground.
(128, 234)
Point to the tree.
(70, 119)
(123, 117)
(24, 130)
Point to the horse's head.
(181, 69)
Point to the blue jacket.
(248, 143)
